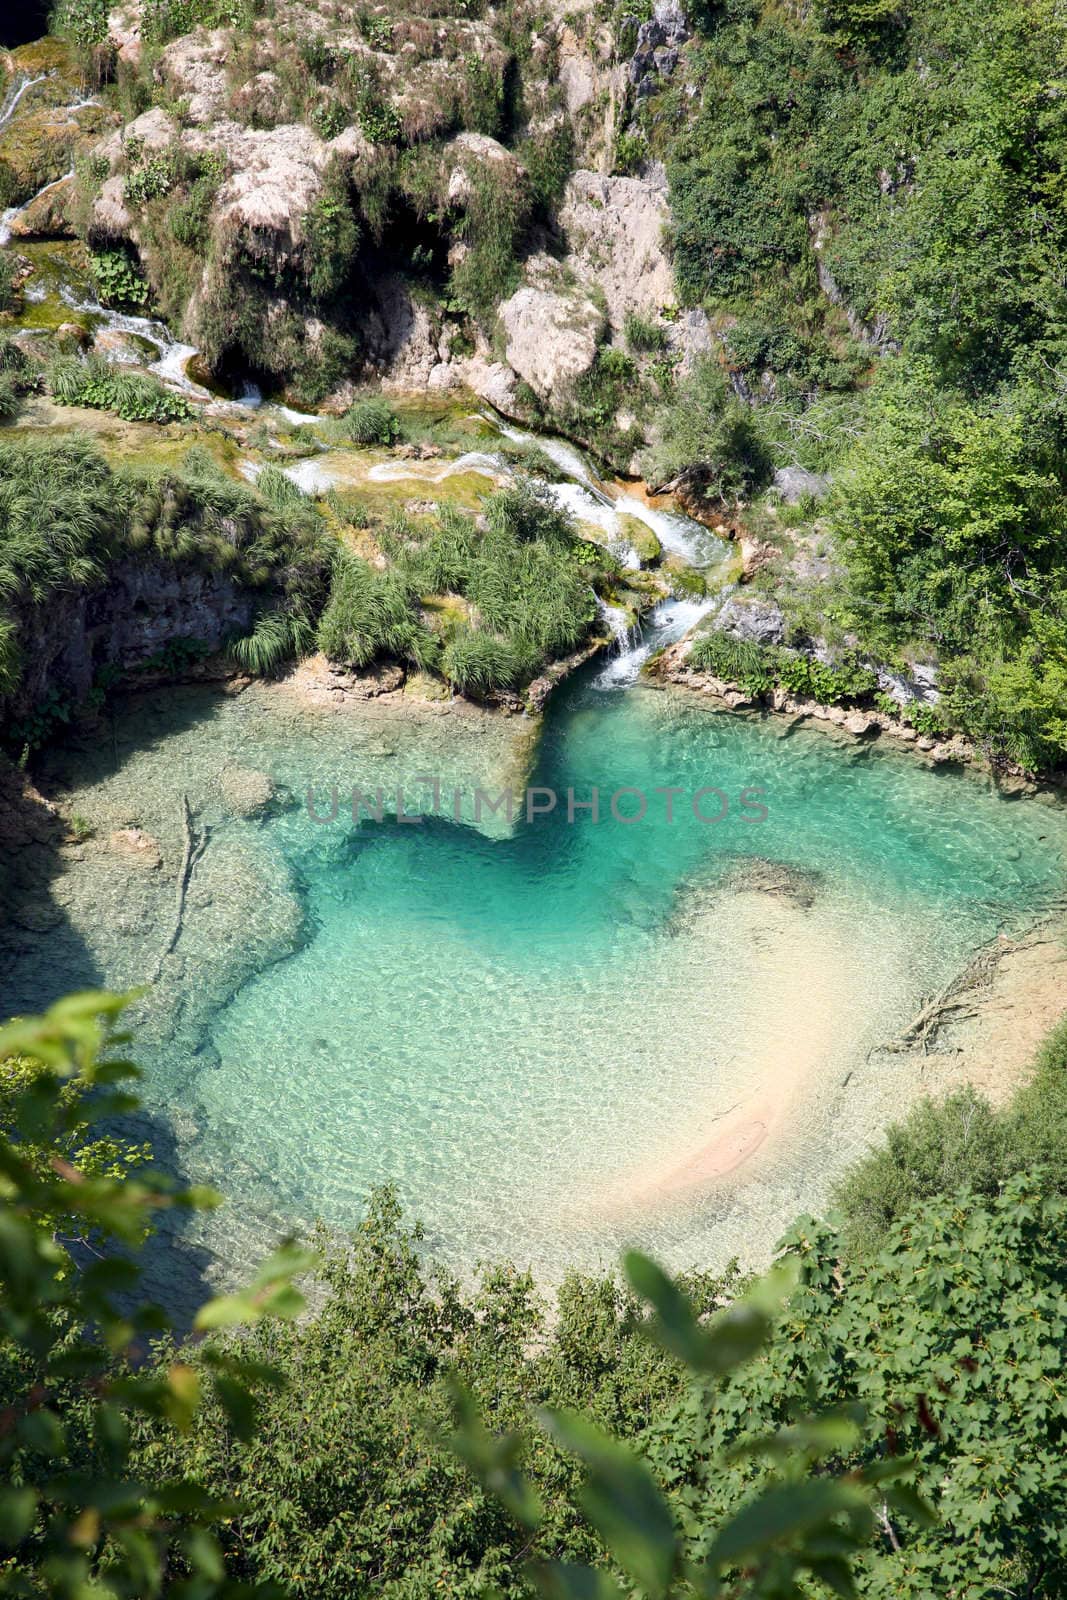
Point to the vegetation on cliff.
(867, 201)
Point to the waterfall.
(8, 217)
(665, 624)
(618, 620)
(15, 94)
(590, 500)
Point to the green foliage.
(706, 433)
(961, 1142)
(166, 19)
(75, 1515)
(332, 237)
(118, 278)
(492, 227)
(526, 580)
(903, 198)
(275, 638)
(890, 1430)
(83, 22)
(372, 613)
(372, 421)
(643, 335)
(66, 517)
(734, 660)
(951, 515)
(7, 281)
(827, 682)
(476, 662)
(549, 161)
(98, 383)
(378, 121)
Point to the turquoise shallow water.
(524, 1032)
(536, 1035)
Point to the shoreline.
(856, 726)
(1015, 994)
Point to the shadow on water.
(44, 956)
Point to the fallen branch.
(194, 849)
(955, 1002)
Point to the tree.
(75, 1521)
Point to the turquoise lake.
(539, 1035)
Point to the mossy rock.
(641, 538)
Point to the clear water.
(536, 1034)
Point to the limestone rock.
(194, 69)
(246, 792)
(321, 682)
(755, 554)
(793, 483)
(124, 32)
(552, 330)
(468, 152)
(496, 383)
(46, 215)
(110, 217)
(858, 724)
(919, 686)
(615, 235)
(137, 846)
(752, 618)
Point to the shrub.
(94, 382)
(118, 278)
(705, 432)
(829, 684)
(371, 613)
(734, 660)
(372, 421)
(641, 334)
(7, 281)
(276, 636)
(477, 663)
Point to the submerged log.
(194, 849)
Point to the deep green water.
(516, 1030)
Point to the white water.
(488, 466)
(591, 500)
(618, 620)
(12, 212)
(10, 105)
(666, 623)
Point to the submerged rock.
(246, 792)
(137, 846)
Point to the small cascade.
(668, 622)
(250, 397)
(7, 219)
(618, 620)
(480, 461)
(590, 500)
(678, 534)
(15, 94)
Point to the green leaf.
(560, 1580)
(494, 1459)
(905, 1498)
(622, 1501)
(783, 1513)
(18, 1508)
